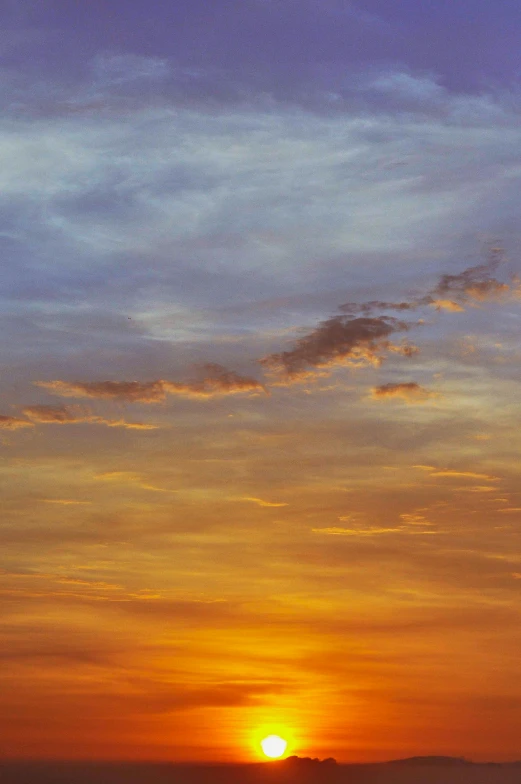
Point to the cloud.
(65, 502)
(474, 283)
(451, 292)
(448, 305)
(261, 502)
(510, 509)
(480, 489)
(130, 391)
(437, 472)
(376, 531)
(13, 423)
(465, 474)
(375, 304)
(362, 335)
(215, 380)
(339, 340)
(413, 518)
(211, 380)
(131, 477)
(409, 391)
(62, 415)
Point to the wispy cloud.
(133, 478)
(368, 532)
(262, 502)
(65, 502)
(455, 473)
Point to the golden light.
(273, 746)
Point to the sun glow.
(273, 746)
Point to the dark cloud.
(366, 308)
(409, 391)
(363, 334)
(451, 292)
(339, 340)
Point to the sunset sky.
(259, 400)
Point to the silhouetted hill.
(437, 760)
(294, 770)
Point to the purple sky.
(272, 44)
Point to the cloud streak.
(14, 423)
(63, 415)
(212, 380)
(408, 391)
(129, 391)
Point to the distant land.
(293, 770)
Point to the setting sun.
(273, 746)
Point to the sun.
(273, 746)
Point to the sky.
(259, 399)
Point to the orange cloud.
(511, 509)
(13, 423)
(261, 502)
(62, 415)
(131, 477)
(447, 304)
(212, 380)
(130, 391)
(409, 391)
(467, 474)
(437, 472)
(377, 531)
(65, 502)
(413, 518)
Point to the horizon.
(431, 759)
(259, 417)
